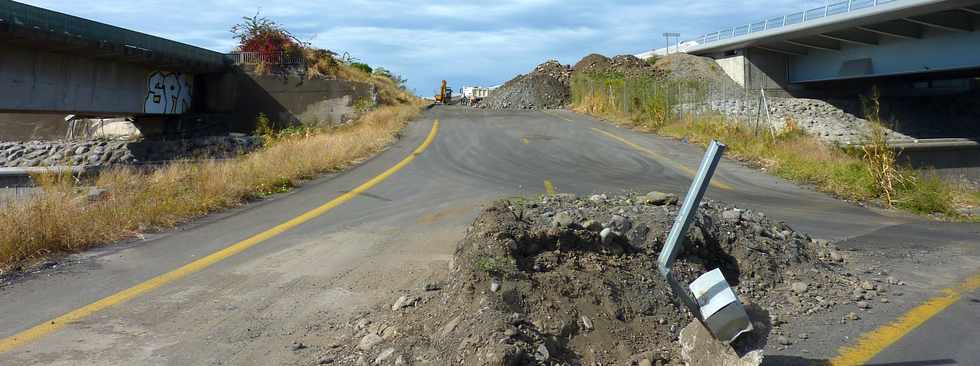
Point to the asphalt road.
(252, 307)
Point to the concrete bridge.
(851, 39)
(53, 62)
(57, 63)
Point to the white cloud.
(473, 42)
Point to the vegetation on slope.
(867, 174)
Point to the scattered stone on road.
(587, 323)
(369, 341)
(384, 355)
(404, 301)
(799, 287)
(660, 198)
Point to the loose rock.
(369, 341)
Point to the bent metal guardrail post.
(715, 304)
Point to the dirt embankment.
(565, 280)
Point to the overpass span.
(54, 62)
(850, 39)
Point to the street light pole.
(675, 35)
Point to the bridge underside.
(53, 62)
(938, 41)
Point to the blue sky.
(465, 42)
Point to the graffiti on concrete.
(168, 93)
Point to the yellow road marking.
(549, 188)
(40, 330)
(663, 159)
(872, 343)
(557, 115)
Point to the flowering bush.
(266, 37)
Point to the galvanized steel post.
(675, 239)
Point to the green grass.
(495, 266)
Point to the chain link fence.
(656, 102)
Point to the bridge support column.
(755, 68)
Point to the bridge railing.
(268, 58)
(828, 10)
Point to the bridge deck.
(42, 28)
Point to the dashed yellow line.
(43, 329)
(872, 343)
(549, 188)
(662, 159)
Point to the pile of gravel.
(566, 280)
(818, 118)
(546, 87)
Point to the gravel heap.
(102, 153)
(547, 87)
(819, 118)
(565, 280)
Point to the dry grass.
(790, 154)
(881, 158)
(63, 220)
(869, 174)
(323, 64)
(849, 174)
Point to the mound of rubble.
(565, 280)
(546, 87)
(626, 65)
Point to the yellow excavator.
(445, 94)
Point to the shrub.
(362, 66)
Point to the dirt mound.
(682, 66)
(543, 282)
(627, 65)
(593, 63)
(546, 87)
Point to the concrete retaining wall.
(287, 100)
(953, 159)
(734, 67)
(29, 126)
(755, 68)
